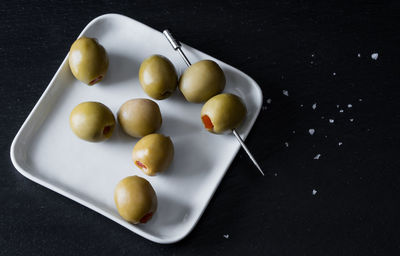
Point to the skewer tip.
(240, 140)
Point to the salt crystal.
(340, 143)
(322, 117)
(331, 121)
(334, 73)
(312, 55)
(351, 119)
(269, 101)
(311, 62)
(275, 174)
(314, 106)
(285, 92)
(374, 56)
(287, 144)
(301, 105)
(314, 192)
(226, 236)
(349, 106)
(359, 100)
(359, 55)
(311, 131)
(341, 111)
(337, 106)
(294, 131)
(317, 156)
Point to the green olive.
(223, 112)
(135, 199)
(158, 77)
(139, 117)
(92, 121)
(153, 153)
(88, 60)
(201, 81)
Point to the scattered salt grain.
(311, 62)
(311, 131)
(312, 55)
(294, 131)
(314, 106)
(334, 73)
(374, 56)
(351, 119)
(226, 236)
(358, 55)
(337, 106)
(287, 144)
(275, 174)
(317, 156)
(349, 106)
(322, 117)
(314, 192)
(359, 100)
(331, 121)
(340, 143)
(269, 101)
(341, 111)
(301, 105)
(285, 92)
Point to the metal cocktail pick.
(177, 47)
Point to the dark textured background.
(292, 45)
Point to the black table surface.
(344, 203)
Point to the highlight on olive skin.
(157, 76)
(139, 117)
(223, 112)
(88, 60)
(153, 153)
(201, 81)
(92, 121)
(135, 199)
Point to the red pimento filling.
(146, 217)
(96, 80)
(207, 122)
(106, 130)
(140, 165)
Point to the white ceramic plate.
(46, 151)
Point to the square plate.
(46, 151)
